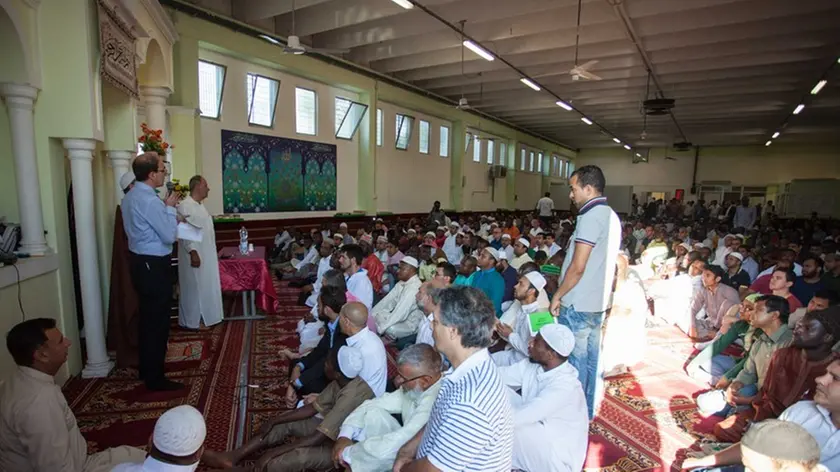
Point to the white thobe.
(378, 433)
(454, 253)
(359, 285)
(201, 290)
(383, 257)
(508, 252)
(517, 347)
(553, 249)
(310, 257)
(375, 368)
(517, 261)
(552, 405)
(424, 331)
(323, 267)
(397, 315)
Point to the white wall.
(528, 184)
(480, 193)
(234, 117)
(742, 165)
(409, 181)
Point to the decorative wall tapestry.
(116, 41)
(270, 174)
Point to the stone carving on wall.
(116, 43)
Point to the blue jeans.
(585, 357)
(709, 370)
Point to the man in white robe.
(518, 335)
(552, 405)
(397, 315)
(200, 298)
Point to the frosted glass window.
(211, 84)
(531, 161)
(502, 154)
(476, 149)
(261, 99)
(491, 147)
(539, 162)
(306, 111)
(425, 136)
(379, 125)
(522, 160)
(444, 141)
(405, 124)
(348, 115)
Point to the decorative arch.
(14, 62)
(154, 71)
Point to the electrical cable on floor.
(20, 300)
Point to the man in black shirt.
(735, 276)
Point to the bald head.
(356, 315)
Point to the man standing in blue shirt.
(587, 278)
(151, 226)
(488, 279)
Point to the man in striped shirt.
(471, 425)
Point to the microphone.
(170, 187)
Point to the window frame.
(251, 107)
(349, 109)
(218, 116)
(448, 141)
(398, 128)
(315, 111)
(420, 136)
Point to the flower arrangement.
(180, 189)
(152, 140)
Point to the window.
(570, 169)
(348, 115)
(502, 154)
(522, 160)
(425, 136)
(476, 149)
(490, 149)
(539, 162)
(211, 83)
(531, 162)
(305, 111)
(262, 98)
(467, 142)
(404, 125)
(379, 125)
(554, 163)
(444, 141)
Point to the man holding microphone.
(151, 226)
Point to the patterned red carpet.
(646, 421)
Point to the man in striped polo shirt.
(471, 424)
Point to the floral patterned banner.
(271, 174)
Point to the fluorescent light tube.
(775, 135)
(478, 50)
(627, 146)
(270, 39)
(798, 109)
(586, 120)
(617, 141)
(638, 155)
(563, 105)
(404, 3)
(818, 87)
(530, 83)
(768, 143)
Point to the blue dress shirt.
(151, 226)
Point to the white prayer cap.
(342, 225)
(536, 279)
(781, 440)
(502, 255)
(338, 236)
(382, 239)
(126, 180)
(492, 252)
(524, 242)
(441, 228)
(350, 361)
(410, 261)
(699, 245)
(506, 236)
(460, 233)
(179, 431)
(494, 225)
(328, 242)
(686, 246)
(558, 337)
(736, 255)
(730, 235)
(430, 234)
(411, 230)
(455, 224)
(740, 236)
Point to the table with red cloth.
(248, 272)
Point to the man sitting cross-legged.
(312, 451)
(514, 329)
(397, 315)
(370, 437)
(552, 405)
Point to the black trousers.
(152, 279)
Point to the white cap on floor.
(179, 431)
(350, 361)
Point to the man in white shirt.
(545, 208)
(506, 246)
(382, 250)
(551, 405)
(353, 322)
(425, 301)
(325, 251)
(396, 315)
(520, 253)
(370, 437)
(550, 242)
(514, 327)
(350, 258)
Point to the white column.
(120, 163)
(20, 102)
(80, 153)
(154, 104)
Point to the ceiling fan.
(293, 45)
(581, 71)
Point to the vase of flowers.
(152, 141)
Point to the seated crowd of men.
(475, 387)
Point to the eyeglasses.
(405, 381)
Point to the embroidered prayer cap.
(736, 255)
(179, 431)
(350, 361)
(126, 180)
(524, 242)
(410, 261)
(782, 440)
(558, 337)
(536, 279)
(492, 252)
(550, 269)
(506, 236)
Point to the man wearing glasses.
(151, 226)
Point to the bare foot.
(219, 460)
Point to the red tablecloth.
(248, 272)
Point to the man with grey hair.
(471, 423)
(426, 300)
(200, 301)
(370, 437)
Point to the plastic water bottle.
(243, 241)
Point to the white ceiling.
(736, 68)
